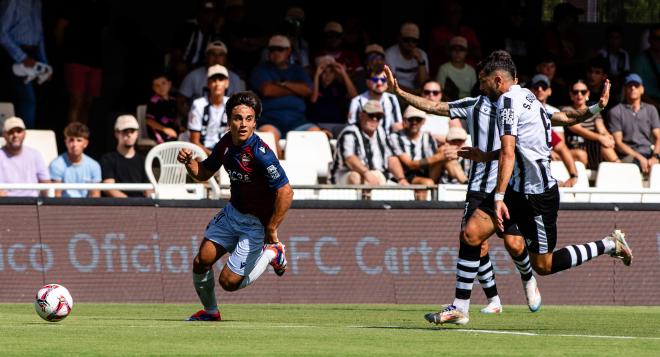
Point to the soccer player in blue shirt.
(260, 197)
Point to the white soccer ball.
(53, 302)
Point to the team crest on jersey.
(507, 116)
(530, 97)
(245, 159)
(272, 172)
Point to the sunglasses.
(415, 120)
(276, 49)
(633, 84)
(410, 40)
(379, 79)
(431, 92)
(580, 91)
(375, 116)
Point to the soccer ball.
(53, 302)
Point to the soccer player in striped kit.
(478, 217)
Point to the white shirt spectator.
(464, 78)
(216, 123)
(388, 101)
(405, 69)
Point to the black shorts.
(536, 217)
(485, 202)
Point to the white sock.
(495, 300)
(259, 268)
(609, 245)
(462, 305)
(205, 288)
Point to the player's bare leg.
(204, 280)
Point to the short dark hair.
(498, 60)
(160, 74)
(599, 62)
(247, 98)
(76, 130)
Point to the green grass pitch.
(329, 330)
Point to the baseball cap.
(633, 78)
(333, 26)
(409, 29)
(279, 41)
(456, 134)
(13, 122)
(372, 107)
(216, 45)
(540, 78)
(217, 70)
(126, 122)
(458, 41)
(374, 48)
(412, 112)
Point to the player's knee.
(515, 247)
(471, 236)
(228, 285)
(542, 269)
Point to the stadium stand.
(616, 176)
(6, 111)
(310, 148)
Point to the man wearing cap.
(283, 88)
(635, 126)
(418, 151)
(207, 120)
(333, 33)
(409, 63)
(194, 85)
(125, 164)
(363, 154)
(18, 163)
(456, 76)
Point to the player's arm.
(283, 199)
(577, 116)
(194, 166)
(421, 103)
(475, 154)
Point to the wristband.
(573, 176)
(595, 109)
(499, 196)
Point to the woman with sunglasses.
(589, 141)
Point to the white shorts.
(242, 235)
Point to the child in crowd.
(457, 77)
(162, 119)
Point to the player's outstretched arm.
(193, 165)
(421, 103)
(475, 154)
(577, 116)
(283, 199)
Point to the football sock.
(259, 267)
(486, 277)
(495, 300)
(205, 287)
(523, 265)
(574, 255)
(467, 267)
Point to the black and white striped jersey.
(373, 151)
(390, 104)
(422, 147)
(481, 117)
(520, 114)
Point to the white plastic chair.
(392, 195)
(339, 194)
(654, 185)
(560, 173)
(612, 175)
(300, 174)
(310, 148)
(141, 116)
(170, 183)
(6, 111)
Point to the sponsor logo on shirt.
(272, 172)
(238, 176)
(507, 116)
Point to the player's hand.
(605, 95)
(471, 153)
(501, 212)
(450, 152)
(185, 156)
(370, 179)
(392, 84)
(270, 236)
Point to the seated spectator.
(125, 164)
(377, 84)
(207, 120)
(597, 73)
(332, 92)
(635, 126)
(18, 163)
(589, 141)
(452, 26)
(74, 166)
(162, 118)
(436, 125)
(456, 169)
(293, 28)
(547, 66)
(333, 33)
(374, 59)
(647, 66)
(408, 62)
(457, 77)
(194, 84)
(418, 152)
(363, 154)
(617, 58)
(283, 88)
